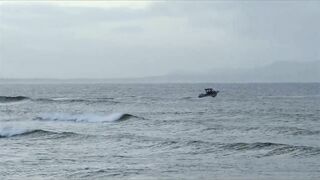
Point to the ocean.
(160, 131)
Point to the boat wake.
(89, 118)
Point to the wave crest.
(77, 100)
(10, 131)
(90, 118)
(6, 99)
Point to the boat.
(209, 92)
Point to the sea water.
(159, 131)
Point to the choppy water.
(159, 131)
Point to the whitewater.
(159, 131)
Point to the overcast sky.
(134, 39)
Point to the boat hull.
(214, 94)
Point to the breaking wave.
(6, 99)
(76, 100)
(90, 118)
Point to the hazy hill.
(282, 71)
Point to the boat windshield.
(208, 90)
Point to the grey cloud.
(123, 42)
(128, 29)
(50, 16)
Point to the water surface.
(159, 131)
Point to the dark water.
(160, 131)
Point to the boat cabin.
(208, 90)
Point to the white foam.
(91, 118)
(61, 99)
